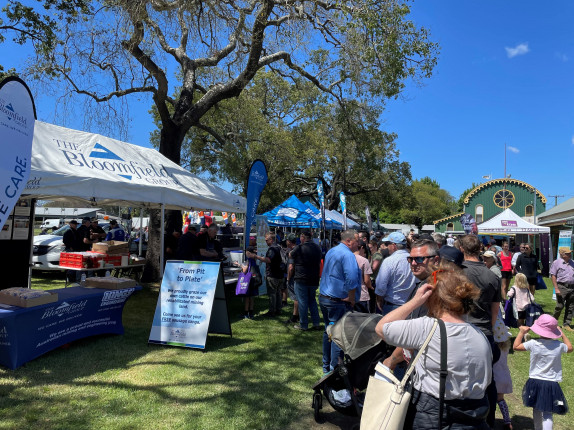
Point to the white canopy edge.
(510, 223)
(91, 169)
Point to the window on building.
(450, 226)
(529, 210)
(479, 214)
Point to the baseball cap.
(113, 221)
(396, 237)
(291, 237)
(489, 254)
(450, 253)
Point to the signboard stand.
(190, 305)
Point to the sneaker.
(293, 319)
(268, 314)
(317, 328)
(299, 327)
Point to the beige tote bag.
(386, 403)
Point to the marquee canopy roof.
(91, 169)
(508, 222)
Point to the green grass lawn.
(260, 378)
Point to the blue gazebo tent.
(330, 223)
(292, 213)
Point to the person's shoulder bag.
(387, 401)
(510, 311)
(533, 311)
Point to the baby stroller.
(344, 386)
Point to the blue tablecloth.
(27, 333)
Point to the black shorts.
(532, 281)
(506, 274)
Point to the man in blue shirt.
(395, 280)
(339, 289)
(115, 232)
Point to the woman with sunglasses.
(448, 295)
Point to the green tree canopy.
(429, 203)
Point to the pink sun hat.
(546, 326)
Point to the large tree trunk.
(170, 147)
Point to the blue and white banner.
(255, 185)
(343, 200)
(321, 193)
(185, 303)
(17, 118)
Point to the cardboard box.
(110, 283)
(17, 301)
(111, 247)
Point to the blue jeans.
(332, 312)
(307, 301)
(389, 307)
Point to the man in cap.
(395, 280)
(70, 237)
(97, 233)
(84, 238)
(116, 232)
(562, 274)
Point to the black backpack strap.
(443, 369)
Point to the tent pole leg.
(161, 241)
(140, 244)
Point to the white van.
(49, 223)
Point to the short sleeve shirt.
(563, 271)
(545, 358)
(365, 268)
(273, 270)
(469, 358)
(306, 260)
(489, 286)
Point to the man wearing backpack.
(274, 275)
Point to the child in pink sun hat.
(542, 390)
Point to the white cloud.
(561, 56)
(513, 149)
(572, 140)
(520, 49)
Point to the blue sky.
(504, 76)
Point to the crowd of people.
(413, 279)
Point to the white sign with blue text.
(185, 304)
(17, 117)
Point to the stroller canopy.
(355, 333)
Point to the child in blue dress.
(542, 389)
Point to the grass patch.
(260, 378)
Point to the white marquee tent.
(510, 223)
(89, 168)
